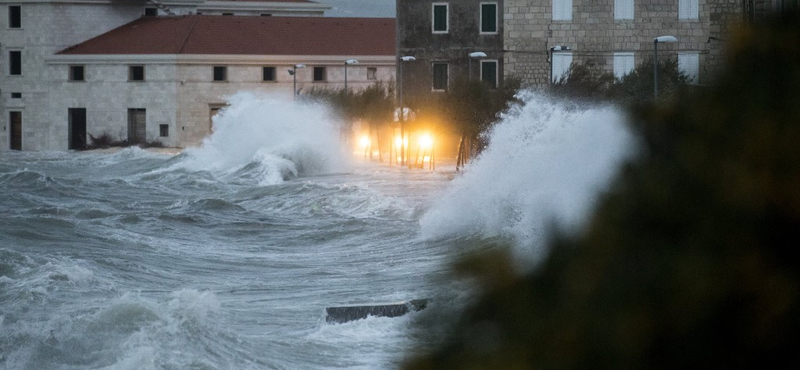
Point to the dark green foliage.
(374, 104)
(692, 260)
(583, 84)
(467, 108)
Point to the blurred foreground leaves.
(691, 260)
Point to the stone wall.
(594, 35)
(415, 38)
(46, 29)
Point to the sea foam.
(545, 164)
(268, 139)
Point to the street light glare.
(299, 65)
(426, 141)
(351, 61)
(364, 141)
(408, 58)
(477, 54)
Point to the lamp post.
(407, 58)
(293, 73)
(656, 41)
(552, 51)
(346, 63)
(474, 55)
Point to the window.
(489, 18)
(319, 74)
(372, 73)
(562, 10)
(16, 95)
(561, 63)
(163, 130)
(76, 73)
(623, 9)
(136, 73)
(688, 9)
(14, 16)
(489, 72)
(440, 76)
(623, 64)
(220, 73)
(266, 14)
(440, 21)
(227, 13)
(689, 63)
(150, 12)
(15, 62)
(268, 74)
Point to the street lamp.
(552, 50)
(407, 58)
(474, 55)
(293, 73)
(659, 39)
(346, 63)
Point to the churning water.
(225, 256)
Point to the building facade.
(81, 69)
(543, 37)
(441, 35)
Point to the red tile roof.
(245, 35)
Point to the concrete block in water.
(343, 314)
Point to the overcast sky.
(360, 8)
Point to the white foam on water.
(545, 163)
(269, 138)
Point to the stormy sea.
(225, 256)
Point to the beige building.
(75, 68)
(543, 37)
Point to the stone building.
(441, 35)
(75, 68)
(614, 35)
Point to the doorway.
(15, 131)
(77, 128)
(137, 126)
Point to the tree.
(691, 260)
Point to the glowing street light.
(293, 73)
(426, 141)
(365, 143)
(656, 41)
(346, 63)
(407, 58)
(474, 55)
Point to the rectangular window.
(15, 130)
(14, 16)
(440, 21)
(562, 10)
(489, 72)
(136, 73)
(163, 130)
(688, 9)
(150, 12)
(689, 63)
(15, 62)
(16, 95)
(227, 13)
(220, 73)
(319, 74)
(561, 64)
(372, 73)
(440, 76)
(268, 74)
(623, 64)
(623, 9)
(489, 18)
(76, 73)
